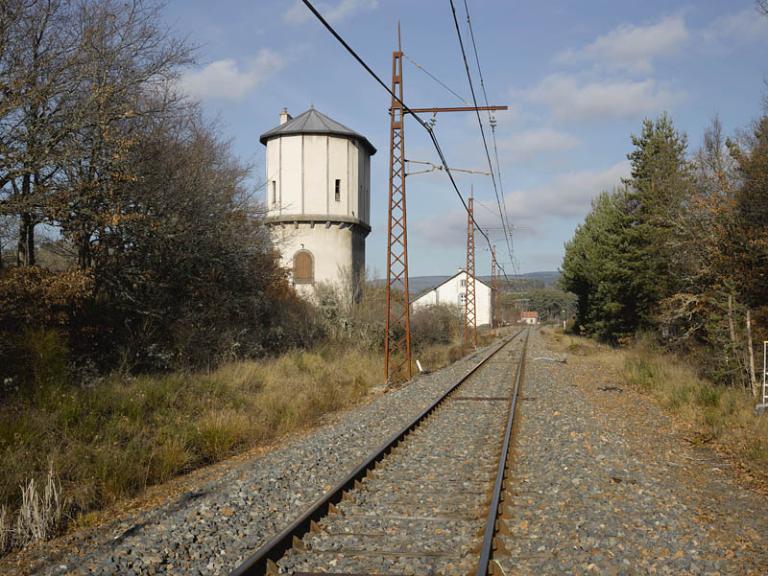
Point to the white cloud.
(528, 144)
(298, 13)
(738, 28)
(571, 99)
(226, 79)
(566, 196)
(632, 48)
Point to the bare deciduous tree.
(126, 64)
(35, 62)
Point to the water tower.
(318, 193)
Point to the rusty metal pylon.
(494, 290)
(470, 316)
(397, 345)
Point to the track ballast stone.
(601, 483)
(423, 509)
(214, 528)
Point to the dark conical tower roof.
(314, 122)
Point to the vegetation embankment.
(680, 251)
(672, 266)
(710, 414)
(143, 307)
(100, 440)
(110, 441)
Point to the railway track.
(428, 500)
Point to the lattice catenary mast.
(470, 310)
(397, 344)
(494, 290)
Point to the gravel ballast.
(213, 527)
(603, 483)
(422, 510)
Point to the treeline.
(681, 249)
(552, 304)
(164, 257)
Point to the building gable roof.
(436, 286)
(314, 122)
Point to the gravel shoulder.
(207, 523)
(603, 482)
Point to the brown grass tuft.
(715, 412)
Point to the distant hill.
(549, 278)
(520, 282)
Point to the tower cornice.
(326, 220)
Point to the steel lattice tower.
(494, 290)
(397, 345)
(470, 316)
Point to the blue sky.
(579, 77)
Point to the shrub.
(38, 312)
(46, 356)
(435, 325)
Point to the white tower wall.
(318, 199)
(338, 252)
(301, 177)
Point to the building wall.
(338, 251)
(450, 293)
(302, 170)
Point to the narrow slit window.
(337, 190)
(274, 193)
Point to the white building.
(453, 291)
(531, 317)
(318, 199)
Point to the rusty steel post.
(494, 290)
(397, 344)
(470, 315)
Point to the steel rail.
(258, 563)
(483, 567)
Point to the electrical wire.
(482, 129)
(435, 78)
(418, 119)
(491, 121)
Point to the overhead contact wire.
(493, 127)
(502, 214)
(418, 119)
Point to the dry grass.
(37, 518)
(721, 415)
(6, 534)
(110, 442)
(716, 413)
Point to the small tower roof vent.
(314, 122)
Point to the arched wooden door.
(303, 267)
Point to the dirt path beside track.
(604, 483)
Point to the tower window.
(337, 190)
(274, 192)
(303, 267)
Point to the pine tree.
(624, 260)
(749, 245)
(660, 184)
